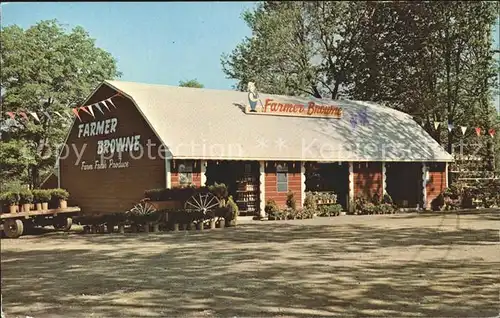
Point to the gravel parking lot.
(395, 265)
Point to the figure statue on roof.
(253, 96)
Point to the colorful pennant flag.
(436, 125)
(450, 127)
(84, 108)
(464, 129)
(91, 110)
(110, 101)
(478, 131)
(491, 132)
(11, 115)
(96, 105)
(75, 111)
(23, 114)
(35, 116)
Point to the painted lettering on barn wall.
(107, 148)
(272, 107)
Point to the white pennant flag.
(436, 125)
(464, 129)
(110, 101)
(96, 105)
(104, 102)
(35, 116)
(91, 110)
(47, 115)
(59, 114)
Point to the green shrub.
(309, 201)
(376, 199)
(41, 196)
(290, 200)
(59, 194)
(387, 199)
(308, 213)
(219, 190)
(326, 210)
(234, 210)
(25, 196)
(10, 198)
(368, 208)
(384, 208)
(271, 207)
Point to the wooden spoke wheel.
(143, 208)
(13, 228)
(62, 223)
(204, 203)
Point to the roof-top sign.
(272, 107)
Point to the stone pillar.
(203, 173)
(351, 187)
(302, 183)
(424, 185)
(384, 179)
(262, 188)
(168, 175)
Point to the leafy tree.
(191, 83)
(46, 68)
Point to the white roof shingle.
(211, 124)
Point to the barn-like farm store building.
(156, 136)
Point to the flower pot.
(45, 205)
(121, 228)
(13, 208)
(212, 224)
(200, 226)
(156, 227)
(63, 204)
(147, 227)
(32, 206)
(38, 206)
(222, 224)
(192, 226)
(342, 213)
(26, 207)
(176, 227)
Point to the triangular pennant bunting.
(491, 132)
(75, 111)
(464, 129)
(104, 102)
(478, 131)
(96, 105)
(91, 110)
(23, 114)
(84, 108)
(47, 115)
(450, 127)
(11, 115)
(35, 116)
(111, 102)
(436, 125)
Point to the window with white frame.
(185, 174)
(282, 178)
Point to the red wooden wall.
(367, 179)
(294, 185)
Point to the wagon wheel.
(13, 228)
(204, 203)
(143, 208)
(62, 224)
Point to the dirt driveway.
(402, 265)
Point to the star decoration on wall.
(280, 143)
(261, 142)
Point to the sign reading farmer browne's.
(273, 107)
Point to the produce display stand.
(15, 224)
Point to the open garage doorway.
(404, 183)
(329, 177)
(242, 181)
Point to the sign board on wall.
(311, 109)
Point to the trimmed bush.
(309, 201)
(25, 196)
(59, 194)
(233, 207)
(10, 198)
(41, 196)
(290, 200)
(271, 208)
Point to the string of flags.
(107, 104)
(464, 129)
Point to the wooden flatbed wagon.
(15, 224)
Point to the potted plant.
(61, 196)
(25, 199)
(12, 200)
(41, 199)
(232, 217)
